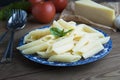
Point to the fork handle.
(7, 55)
(3, 36)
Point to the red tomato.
(44, 12)
(34, 2)
(60, 4)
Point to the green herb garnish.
(59, 33)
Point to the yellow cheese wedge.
(95, 12)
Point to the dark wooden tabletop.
(107, 68)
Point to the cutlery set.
(16, 22)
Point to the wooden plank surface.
(21, 68)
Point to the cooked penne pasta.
(37, 42)
(63, 41)
(36, 34)
(31, 44)
(35, 49)
(99, 35)
(104, 40)
(65, 24)
(89, 29)
(45, 55)
(56, 24)
(42, 54)
(77, 32)
(63, 48)
(97, 48)
(89, 46)
(65, 58)
(72, 23)
(77, 53)
(49, 49)
(48, 38)
(27, 39)
(63, 45)
(83, 41)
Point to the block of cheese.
(95, 12)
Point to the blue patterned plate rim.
(101, 54)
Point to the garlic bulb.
(117, 22)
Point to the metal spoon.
(9, 24)
(17, 21)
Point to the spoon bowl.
(18, 16)
(17, 20)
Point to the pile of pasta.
(81, 43)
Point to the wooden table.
(107, 68)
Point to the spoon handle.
(7, 55)
(3, 36)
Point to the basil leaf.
(59, 33)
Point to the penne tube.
(77, 53)
(64, 58)
(56, 24)
(63, 45)
(83, 41)
(42, 54)
(77, 32)
(31, 44)
(49, 49)
(87, 47)
(27, 39)
(68, 53)
(65, 24)
(48, 38)
(45, 55)
(99, 35)
(35, 49)
(97, 48)
(89, 29)
(38, 33)
(90, 45)
(62, 41)
(63, 48)
(36, 42)
(72, 23)
(104, 40)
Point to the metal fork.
(16, 21)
